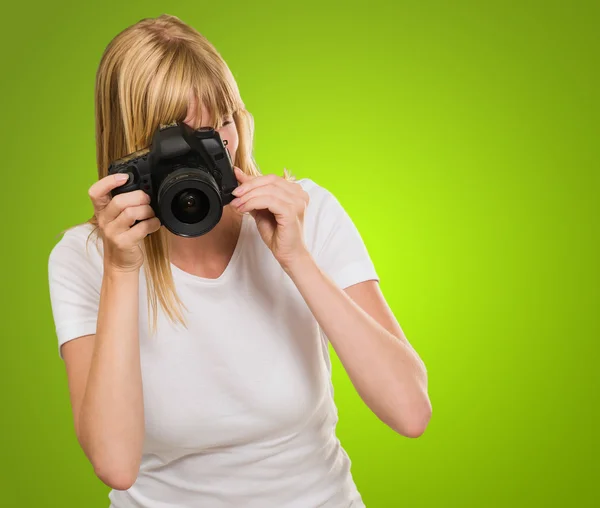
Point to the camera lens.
(190, 206)
(189, 201)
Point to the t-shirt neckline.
(229, 269)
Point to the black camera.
(188, 175)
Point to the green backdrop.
(462, 139)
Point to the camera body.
(188, 174)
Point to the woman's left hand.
(278, 207)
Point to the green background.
(462, 139)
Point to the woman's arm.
(104, 369)
(386, 371)
(382, 365)
(105, 384)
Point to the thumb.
(240, 175)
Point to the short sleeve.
(336, 244)
(75, 281)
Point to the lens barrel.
(189, 202)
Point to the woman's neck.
(210, 252)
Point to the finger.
(122, 201)
(141, 230)
(264, 190)
(241, 176)
(127, 218)
(259, 181)
(274, 204)
(99, 192)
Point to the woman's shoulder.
(319, 196)
(323, 206)
(314, 189)
(78, 243)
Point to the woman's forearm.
(385, 369)
(111, 420)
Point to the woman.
(203, 380)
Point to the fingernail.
(235, 202)
(121, 177)
(237, 191)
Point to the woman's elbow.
(114, 469)
(118, 479)
(118, 473)
(415, 425)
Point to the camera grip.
(128, 186)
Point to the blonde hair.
(144, 79)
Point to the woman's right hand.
(116, 216)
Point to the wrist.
(116, 272)
(298, 264)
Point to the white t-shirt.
(238, 407)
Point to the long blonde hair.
(144, 79)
